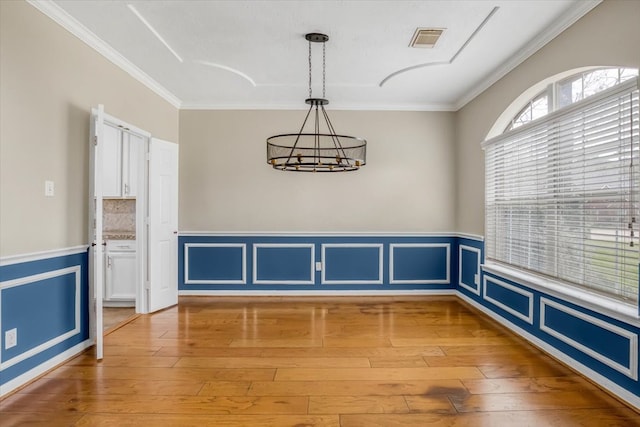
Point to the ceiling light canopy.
(321, 149)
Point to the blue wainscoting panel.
(510, 298)
(214, 263)
(46, 301)
(420, 263)
(283, 263)
(469, 259)
(614, 346)
(349, 263)
(292, 262)
(55, 296)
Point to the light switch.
(49, 188)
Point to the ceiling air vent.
(426, 37)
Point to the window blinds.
(562, 194)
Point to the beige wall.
(424, 172)
(226, 184)
(49, 80)
(608, 35)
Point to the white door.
(163, 224)
(96, 259)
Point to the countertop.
(118, 235)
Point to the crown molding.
(69, 23)
(337, 107)
(569, 18)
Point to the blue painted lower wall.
(604, 347)
(46, 302)
(46, 299)
(322, 263)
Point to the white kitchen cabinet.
(120, 272)
(120, 158)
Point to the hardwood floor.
(348, 362)
(114, 317)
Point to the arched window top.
(568, 90)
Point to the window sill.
(579, 296)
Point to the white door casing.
(163, 224)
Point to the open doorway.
(132, 223)
(119, 234)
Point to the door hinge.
(147, 285)
(95, 139)
(148, 156)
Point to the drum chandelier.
(319, 149)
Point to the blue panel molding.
(352, 263)
(287, 263)
(45, 297)
(215, 263)
(284, 263)
(469, 259)
(50, 298)
(420, 263)
(614, 346)
(512, 299)
(597, 338)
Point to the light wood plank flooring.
(113, 317)
(422, 361)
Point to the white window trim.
(583, 297)
(579, 105)
(509, 113)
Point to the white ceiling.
(252, 54)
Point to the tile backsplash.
(119, 215)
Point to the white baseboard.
(327, 293)
(599, 379)
(34, 373)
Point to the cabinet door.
(111, 162)
(121, 276)
(132, 149)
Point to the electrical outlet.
(10, 338)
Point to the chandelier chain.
(323, 68)
(310, 92)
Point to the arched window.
(562, 185)
(569, 90)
